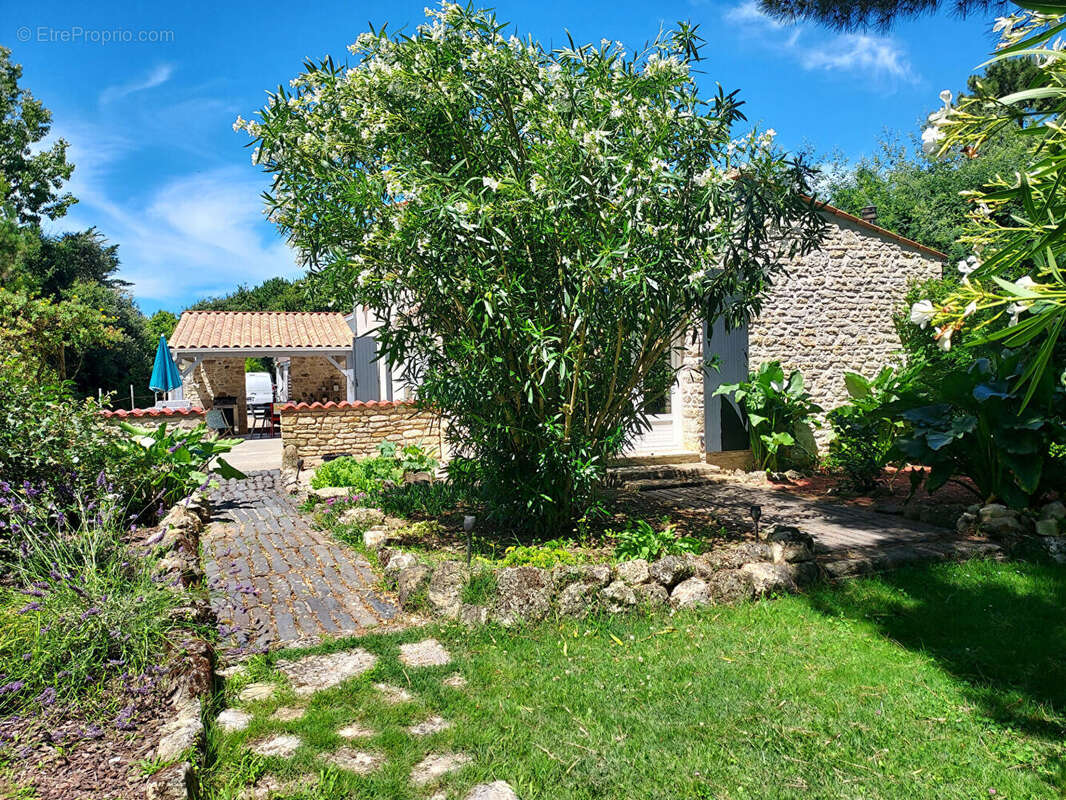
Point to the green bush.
(973, 423)
(369, 475)
(641, 540)
(545, 556)
(779, 414)
(421, 499)
(864, 429)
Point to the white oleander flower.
(931, 137)
(1015, 310)
(970, 309)
(943, 337)
(491, 183)
(922, 313)
(968, 265)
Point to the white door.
(664, 434)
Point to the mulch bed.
(93, 752)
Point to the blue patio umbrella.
(165, 374)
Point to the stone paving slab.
(848, 540)
(277, 582)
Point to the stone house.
(830, 313)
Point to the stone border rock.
(782, 563)
(176, 547)
(1022, 533)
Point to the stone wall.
(829, 314)
(218, 377)
(832, 313)
(312, 380)
(690, 389)
(310, 431)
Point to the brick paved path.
(848, 540)
(277, 582)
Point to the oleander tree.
(537, 227)
(1015, 272)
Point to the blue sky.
(161, 173)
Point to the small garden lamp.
(756, 515)
(468, 526)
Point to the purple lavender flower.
(47, 697)
(89, 612)
(26, 609)
(27, 656)
(11, 688)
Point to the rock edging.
(783, 563)
(181, 739)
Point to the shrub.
(589, 209)
(545, 556)
(779, 415)
(975, 423)
(369, 475)
(421, 499)
(864, 429)
(641, 540)
(165, 464)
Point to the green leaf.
(227, 471)
(858, 387)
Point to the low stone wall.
(151, 417)
(782, 563)
(310, 431)
(181, 745)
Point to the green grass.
(941, 682)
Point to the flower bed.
(483, 592)
(121, 731)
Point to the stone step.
(646, 477)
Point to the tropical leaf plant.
(779, 416)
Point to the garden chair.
(217, 422)
(262, 414)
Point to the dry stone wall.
(829, 314)
(314, 379)
(311, 431)
(832, 313)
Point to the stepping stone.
(231, 671)
(393, 694)
(436, 765)
(233, 719)
(254, 692)
(455, 681)
(429, 726)
(427, 653)
(497, 790)
(355, 761)
(268, 786)
(288, 714)
(355, 731)
(312, 674)
(282, 746)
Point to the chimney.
(869, 213)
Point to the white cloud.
(157, 77)
(749, 13)
(862, 52)
(868, 56)
(190, 236)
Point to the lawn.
(942, 682)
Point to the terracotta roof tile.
(261, 329)
(344, 404)
(153, 412)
